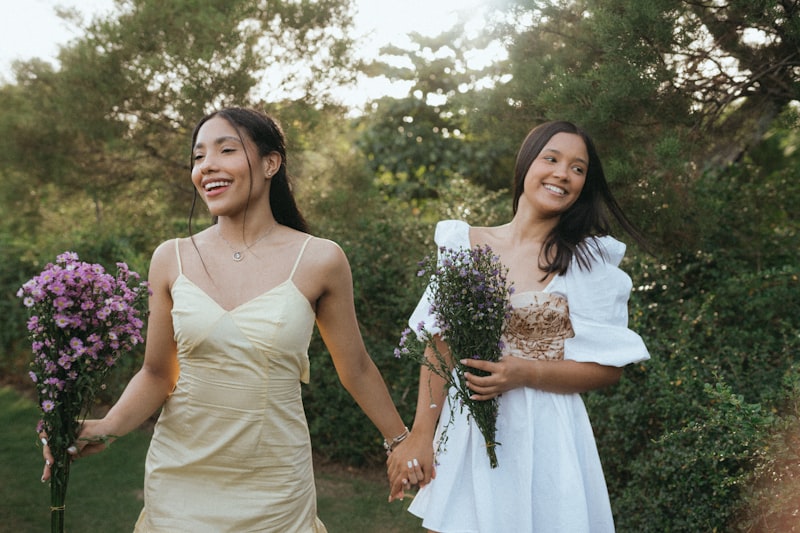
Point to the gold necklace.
(237, 254)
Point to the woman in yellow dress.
(231, 316)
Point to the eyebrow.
(219, 140)
(579, 159)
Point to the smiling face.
(556, 176)
(226, 168)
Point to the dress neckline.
(287, 282)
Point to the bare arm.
(562, 376)
(154, 382)
(419, 445)
(336, 320)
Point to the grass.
(105, 491)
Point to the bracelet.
(389, 445)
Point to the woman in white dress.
(568, 334)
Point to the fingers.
(500, 378)
(412, 475)
(46, 453)
(482, 387)
(479, 364)
(46, 472)
(398, 486)
(405, 479)
(397, 493)
(74, 451)
(48, 458)
(415, 474)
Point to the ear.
(270, 164)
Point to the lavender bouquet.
(469, 297)
(81, 320)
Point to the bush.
(681, 434)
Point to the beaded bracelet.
(389, 446)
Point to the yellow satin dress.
(231, 450)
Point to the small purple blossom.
(73, 349)
(57, 288)
(469, 300)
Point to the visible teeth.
(557, 190)
(215, 184)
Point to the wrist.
(390, 443)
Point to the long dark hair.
(268, 137)
(587, 217)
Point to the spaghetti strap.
(300, 255)
(178, 255)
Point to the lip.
(218, 186)
(554, 189)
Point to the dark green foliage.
(682, 434)
(14, 351)
(382, 254)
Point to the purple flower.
(57, 288)
(469, 304)
(81, 320)
(61, 303)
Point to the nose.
(561, 170)
(206, 164)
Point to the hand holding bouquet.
(469, 298)
(81, 320)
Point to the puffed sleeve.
(598, 309)
(450, 234)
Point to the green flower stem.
(59, 470)
(59, 477)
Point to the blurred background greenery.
(695, 108)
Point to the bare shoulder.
(325, 255)
(323, 270)
(164, 253)
(164, 263)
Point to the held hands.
(410, 463)
(91, 440)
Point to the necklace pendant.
(237, 256)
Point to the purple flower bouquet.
(81, 320)
(469, 298)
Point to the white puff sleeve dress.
(549, 478)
